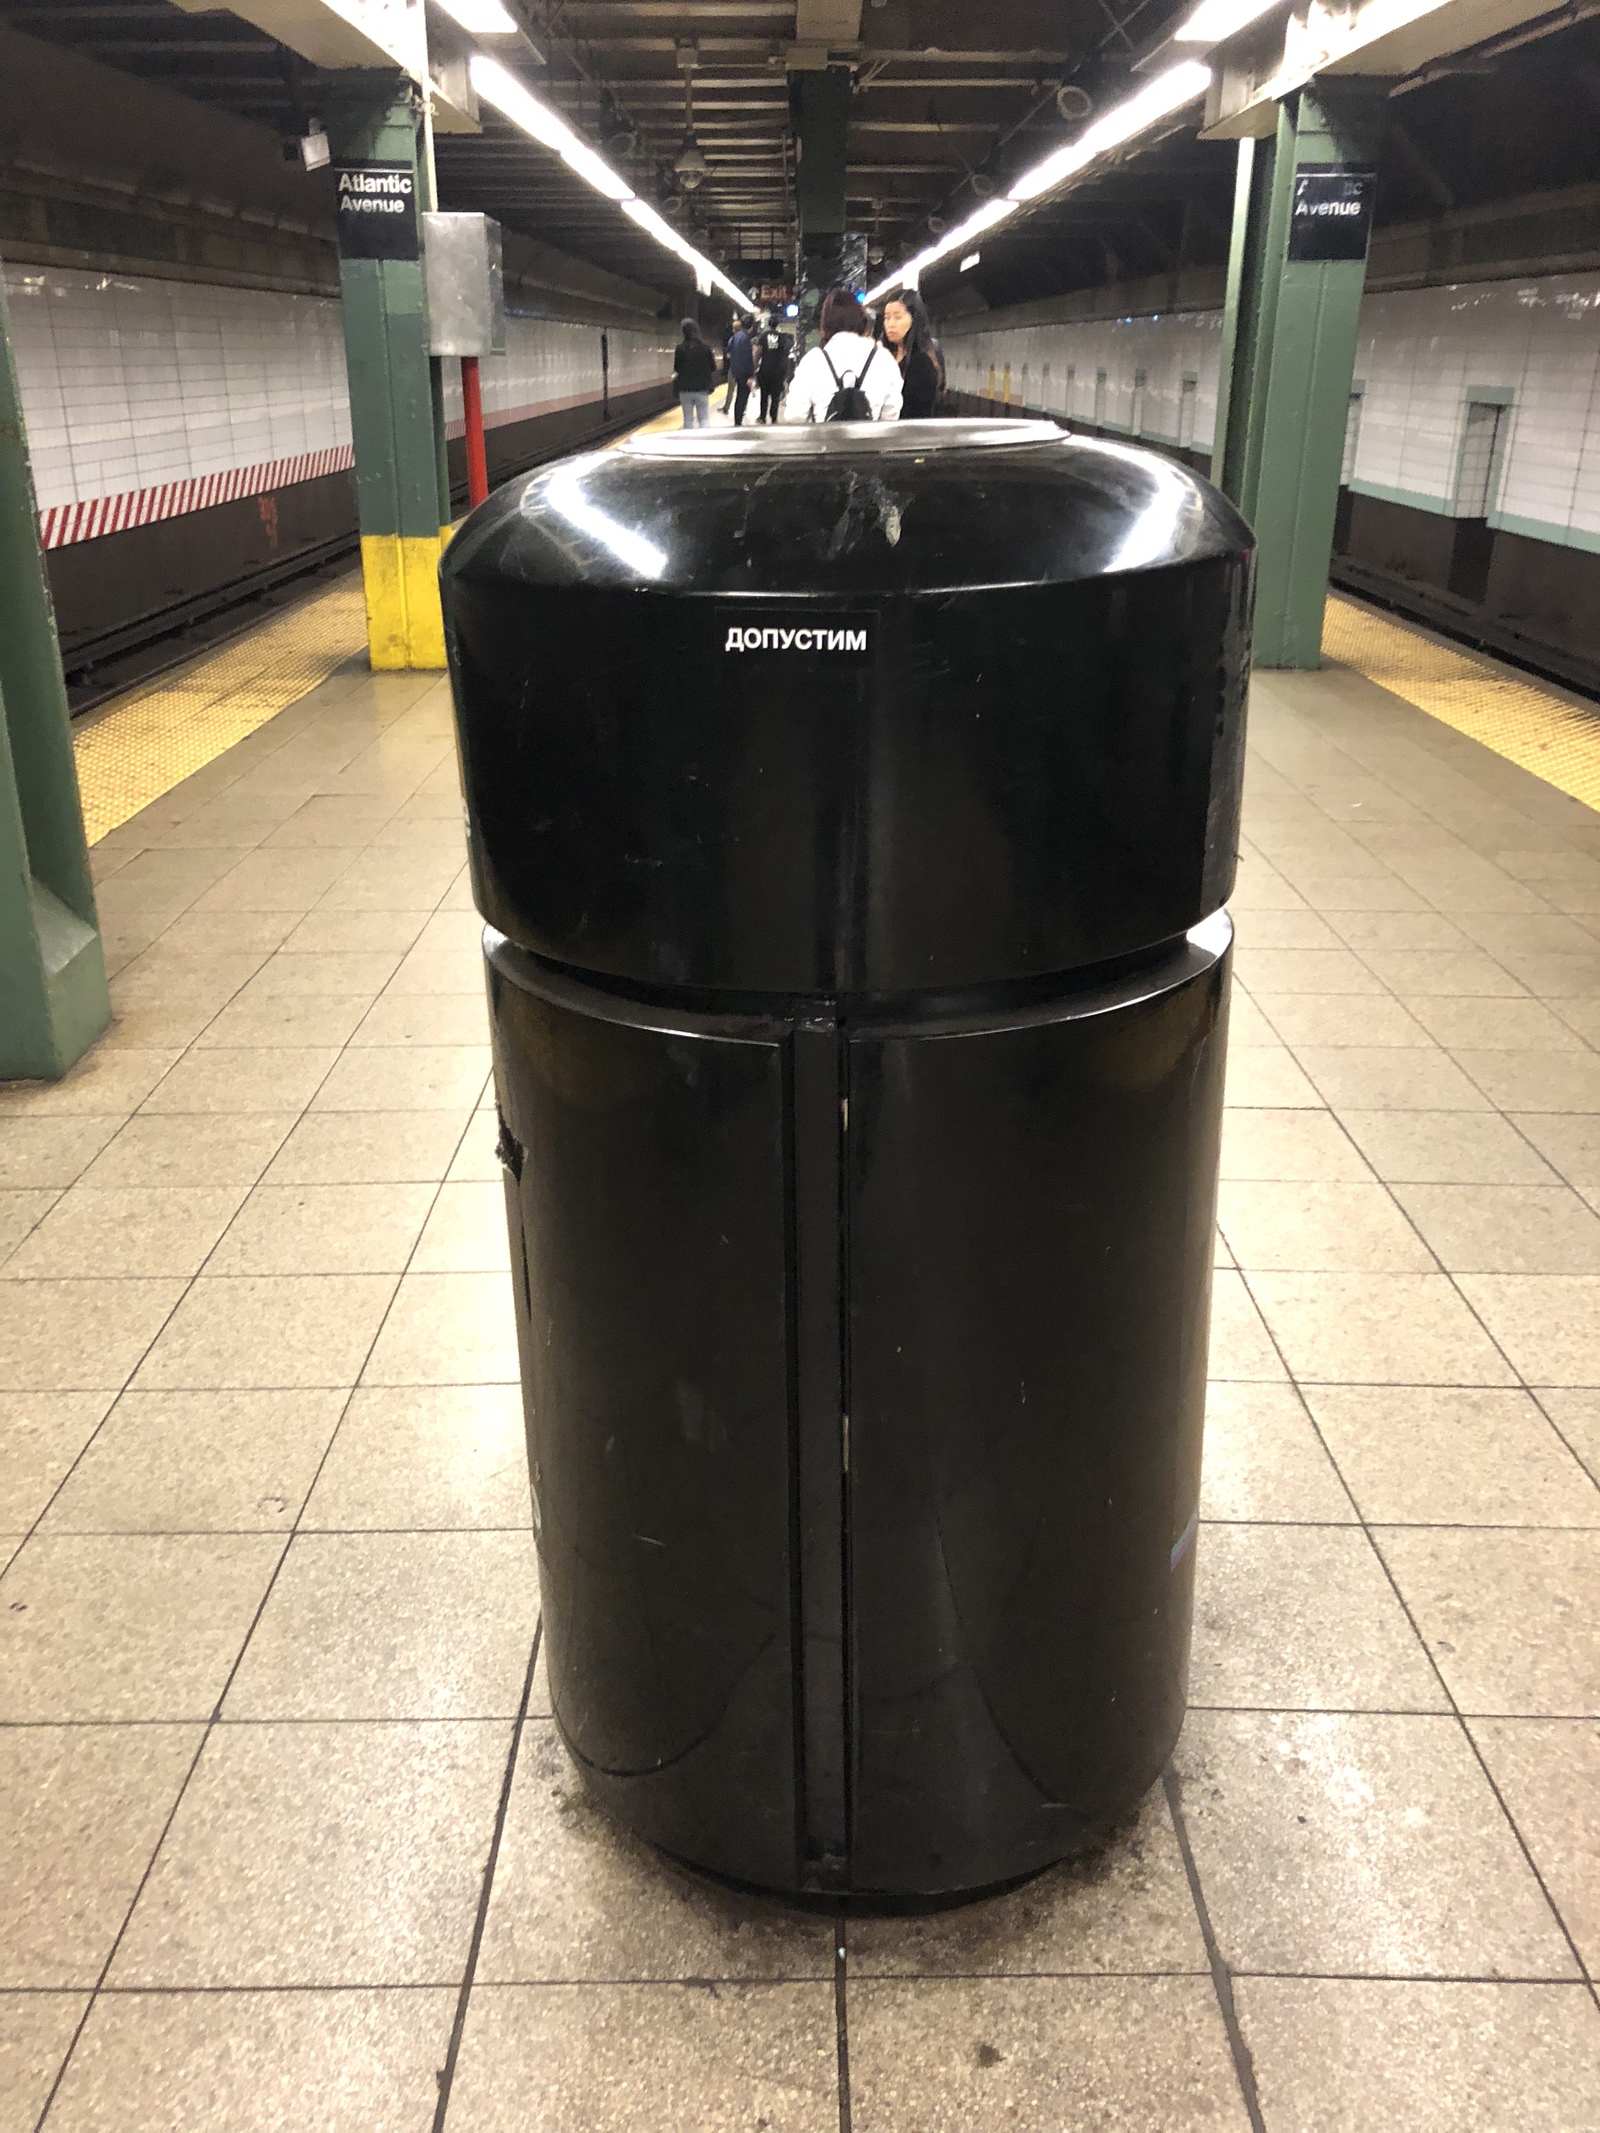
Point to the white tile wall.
(1421, 354)
(553, 363)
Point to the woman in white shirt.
(849, 356)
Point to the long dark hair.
(842, 313)
(691, 332)
(920, 340)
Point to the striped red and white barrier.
(63, 524)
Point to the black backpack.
(849, 403)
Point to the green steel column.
(1288, 358)
(392, 415)
(53, 996)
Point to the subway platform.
(286, 1835)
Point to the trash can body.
(853, 815)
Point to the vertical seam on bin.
(841, 2019)
(447, 2072)
(1221, 1975)
(791, 1299)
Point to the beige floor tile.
(348, 820)
(576, 1897)
(48, 1154)
(431, 1456)
(41, 1434)
(1542, 933)
(198, 1462)
(82, 1809)
(1512, 1617)
(1570, 1141)
(20, 1216)
(1288, 1145)
(249, 2062)
(149, 1229)
(1247, 1025)
(321, 1855)
(1319, 970)
(165, 975)
(1143, 2055)
(324, 1229)
(1536, 1080)
(1335, 2054)
(1448, 1148)
(309, 1020)
(388, 933)
(244, 1079)
(369, 1148)
(1582, 1017)
(1124, 1907)
(1306, 1226)
(432, 970)
(1340, 1018)
(269, 1330)
(393, 1625)
(1266, 1077)
(1241, 1347)
(273, 880)
(447, 1329)
(1415, 973)
(477, 1160)
(1494, 1025)
(36, 2029)
(1302, 1618)
(1365, 892)
(114, 1627)
(1366, 1844)
(359, 972)
(1393, 931)
(1548, 1324)
(1506, 1229)
(637, 2058)
(1377, 1329)
(1287, 929)
(1263, 1459)
(430, 1018)
(158, 1029)
(1558, 977)
(1575, 1412)
(1418, 1456)
(1548, 1774)
(108, 1083)
(1389, 1078)
(405, 1078)
(198, 1148)
(465, 1232)
(78, 1335)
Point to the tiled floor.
(278, 1781)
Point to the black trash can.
(853, 811)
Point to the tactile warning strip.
(150, 740)
(1555, 738)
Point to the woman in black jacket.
(906, 332)
(694, 365)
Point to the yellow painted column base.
(405, 624)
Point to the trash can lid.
(862, 508)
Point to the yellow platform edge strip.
(1507, 711)
(150, 740)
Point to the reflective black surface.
(1034, 767)
(858, 1019)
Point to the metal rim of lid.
(799, 439)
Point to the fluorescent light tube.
(970, 262)
(1214, 20)
(482, 18)
(545, 126)
(1169, 92)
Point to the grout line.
(447, 2073)
(1221, 1977)
(841, 2018)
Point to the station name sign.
(377, 215)
(1331, 214)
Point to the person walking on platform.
(694, 366)
(908, 336)
(849, 377)
(772, 370)
(741, 369)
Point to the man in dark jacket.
(694, 366)
(773, 368)
(741, 369)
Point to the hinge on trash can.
(509, 1149)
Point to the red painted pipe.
(472, 408)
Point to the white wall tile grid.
(145, 398)
(1425, 356)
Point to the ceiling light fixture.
(508, 96)
(482, 18)
(1215, 20)
(1169, 92)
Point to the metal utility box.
(465, 285)
(853, 812)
